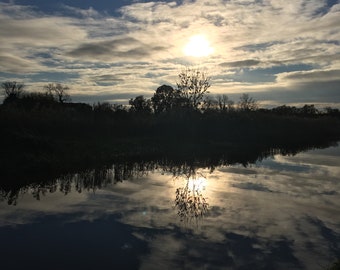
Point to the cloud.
(254, 35)
(311, 76)
(240, 64)
(85, 13)
(107, 78)
(102, 48)
(15, 64)
(122, 49)
(39, 32)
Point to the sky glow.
(198, 46)
(280, 52)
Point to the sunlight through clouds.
(248, 46)
(198, 46)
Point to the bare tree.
(192, 85)
(224, 103)
(247, 103)
(104, 107)
(209, 103)
(12, 90)
(59, 91)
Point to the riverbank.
(62, 137)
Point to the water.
(280, 213)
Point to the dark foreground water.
(281, 213)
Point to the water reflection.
(280, 213)
(190, 201)
(88, 180)
(14, 185)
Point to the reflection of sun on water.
(197, 184)
(198, 46)
(190, 202)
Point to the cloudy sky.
(278, 51)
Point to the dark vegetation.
(45, 138)
(46, 132)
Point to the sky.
(277, 51)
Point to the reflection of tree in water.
(89, 180)
(190, 202)
(13, 186)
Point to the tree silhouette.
(59, 91)
(332, 111)
(140, 105)
(224, 103)
(165, 99)
(103, 107)
(247, 103)
(12, 90)
(285, 110)
(209, 104)
(193, 84)
(309, 110)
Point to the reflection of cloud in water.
(264, 216)
(165, 251)
(251, 186)
(30, 208)
(238, 170)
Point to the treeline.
(167, 114)
(190, 96)
(45, 129)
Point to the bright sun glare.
(198, 184)
(198, 46)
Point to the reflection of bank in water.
(190, 202)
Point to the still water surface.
(280, 213)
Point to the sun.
(198, 46)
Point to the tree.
(309, 110)
(140, 104)
(104, 107)
(285, 110)
(59, 91)
(36, 100)
(164, 99)
(247, 103)
(332, 111)
(193, 84)
(224, 103)
(12, 90)
(209, 103)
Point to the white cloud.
(243, 34)
(39, 32)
